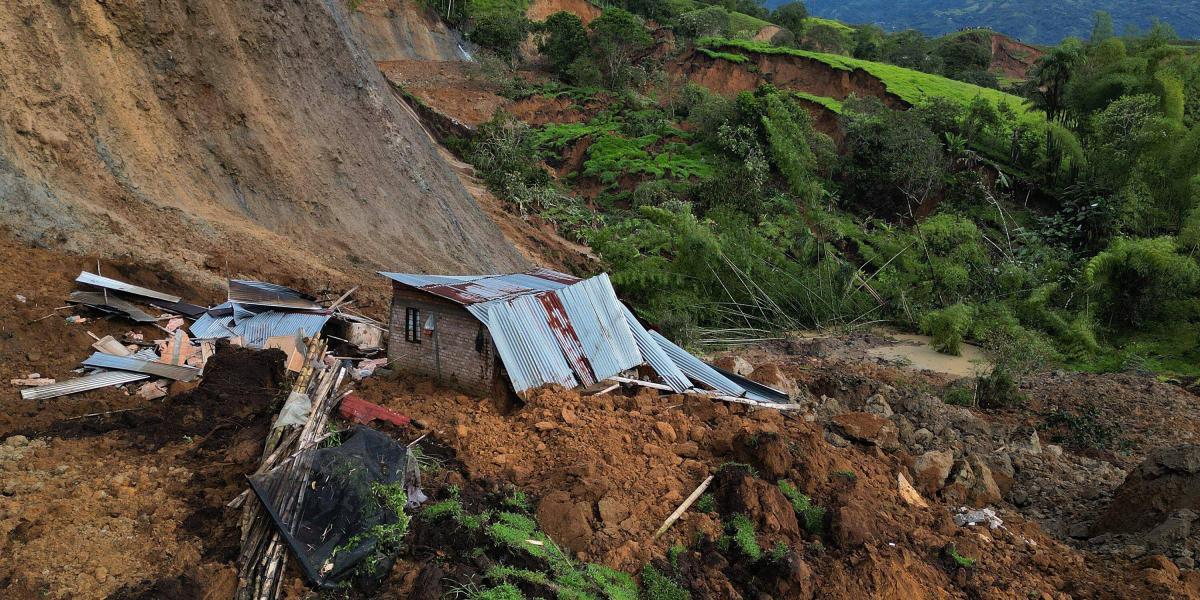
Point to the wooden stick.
(682, 508)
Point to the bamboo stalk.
(687, 503)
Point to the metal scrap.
(120, 286)
(112, 304)
(82, 384)
(138, 365)
(261, 293)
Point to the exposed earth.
(176, 144)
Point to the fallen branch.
(687, 503)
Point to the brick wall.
(449, 354)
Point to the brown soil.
(185, 132)
(540, 9)
(1012, 58)
(404, 30)
(449, 87)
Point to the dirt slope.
(1012, 58)
(404, 30)
(243, 135)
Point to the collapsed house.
(537, 328)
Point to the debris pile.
(257, 315)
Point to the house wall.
(449, 354)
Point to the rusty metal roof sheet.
(475, 289)
(571, 336)
(121, 286)
(138, 365)
(261, 293)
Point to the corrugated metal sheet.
(696, 369)
(654, 355)
(526, 346)
(595, 313)
(255, 330)
(572, 336)
(754, 389)
(94, 381)
(137, 365)
(474, 289)
(121, 286)
(111, 304)
(209, 327)
(261, 293)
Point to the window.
(412, 325)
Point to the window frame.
(412, 325)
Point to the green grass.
(478, 8)
(830, 103)
(838, 25)
(914, 87)
(812, 515)
(744, 537)
(743, 22)
(959, 559)
(729, 56)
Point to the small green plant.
(743, 535)
(707, 503)
(779, 552)
(960, 560)
(1085, 428)
(426, 462)
(846, 474)
(657, 586)
(812, 515)
(960, 396)
(517, 499)
(673, 555)
(386, 537)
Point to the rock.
(866, 428)
(930, 470)
(52, 137)
(1173, 530)
(877, 405)
(688, 449)
(1160, 494)
(1054, 451)
(736, 492)
(771, 376)
(101, 574)
(923, 437)
(568, 416)
(1003, 472)
(565, 520)
(665, 431)
(734, 364)
(612, 511)
(1078, 531)
(908, 493)
(545, 426)
(984, 491)
(958, 486)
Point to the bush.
(948, 326)
(709, 21)
(1139, 281)
(564, 40)
(998, 390)
(501, 32)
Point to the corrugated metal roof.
(572, 336)
(655, 356)
(208, 326)
(94, 381)
(696, 369)
(255, 330)
(474, 289)
(121, 286)
(261, 293)
(110, 303)
(137, 365)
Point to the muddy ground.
(132, 504)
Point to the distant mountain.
(1038, 21)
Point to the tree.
(564, 40)
(619, 36)
(790, 16)
(707, 21)
(1048, 79)
(1102, 27)
(1137, 281)
(500, 32)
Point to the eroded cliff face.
(223, 136)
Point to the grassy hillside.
(913, 87)
(1031, 20)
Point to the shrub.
(960, 396)
(1138, 281)
(502, 32)
(709, 21)
(998, 390)
(948, 326)
(564, 40)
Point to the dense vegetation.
(1032, 20)
(1060, 225)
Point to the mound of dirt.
(1166, 483)
(187, 132)
(1012, 58)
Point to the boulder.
(565, 520)
(866, 428)
(960, 483)
(984, 491)
(734, 364)
(1167, 481)
(930, 470)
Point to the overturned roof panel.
(94, 381)
(137, 365)
(110, 303)
(474, 289)
(121, 286)
(254, 329)
(261, 293)
(658, 360)
(726, 383)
